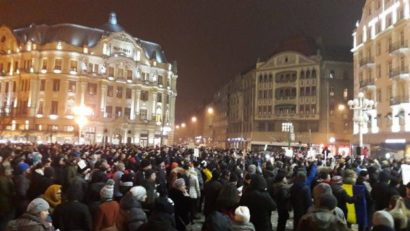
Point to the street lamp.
(361, 105)
(81, 112)
(210, 110)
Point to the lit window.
(42, 85)
(287, 127)
(58, 64)
(54, 108)
(73, 65)
(56, 85)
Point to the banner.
(405, 172)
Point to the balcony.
(366, 62)
(398, 48)
(367, 83)
(402, 73)
(399, 100)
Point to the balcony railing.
(366, 61)
(367, 83)
(400, 72)
(397, 47)
(399, 100)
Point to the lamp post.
(194, 120)
(211, 123)
(81, 112)
(361, 105)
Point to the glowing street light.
(194, 119)
(183, 125)
(341, 107)
(177, 127)
(210, 110)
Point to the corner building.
(381, 69)
(47, 71)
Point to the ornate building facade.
(381, 67)
(297, 96)
(46, 72)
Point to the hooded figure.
(259, 203)
(53, 195)
(132, 216)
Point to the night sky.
(212, 40)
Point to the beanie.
(139, 192)
(37, 158)
(37, 205)
(107, 191)
(22, 167)
(252, 169)
(383, 218)
(242, 214)
(321, 189)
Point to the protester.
(35, 218)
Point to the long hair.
(399, 211)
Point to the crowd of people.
(129, 188)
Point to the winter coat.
(107, 215)
(281, 195)
(7, 194)
(72, 215)
(22, 184)
(342, 197)
(194, 189)
(217, 221)
(236, 226)
(321, 220)
(211, 190)
(259, 203)
(28, 222)
(131, 216)
(39, 184)
(182, 208)
(381, 194)
(300, 198)
(159, 221)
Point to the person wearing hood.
(72, 214)
(382, 192)
(132, 216)
(322, 217)
(259, 203)
(34, 219)
(300, 197)
(108, 210)
(53, 196)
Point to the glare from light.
(210, 110)
(341, 107)
(194, 119)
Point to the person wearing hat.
(53, 196)
(22, 184)
(323, 216)
(132, 215)
(34, 219)
(241, 220)
(280, 193)
(108, 210)
(144, 166)
(383, 221)
(340, 194)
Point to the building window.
(108, 111)
(111, 71)
(120, 73)
(160, 81)
(167, 99)
(14, 86)
(129, 74)
(110, 91)
(119, 92)
(127, 112)
(118, 112)
(287, 127)
(143, 114)
(40, 108)
(58, 63)
(144, 96)
(72, 85)
(54, 108)
(128, 93)
(92, 88)
(56, 85)
(159, 97)
(73, 65)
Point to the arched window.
(307, 74)
(302, 74)
(314, 73)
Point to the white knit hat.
(107, 192)
(242, 214)
(139, 192)
(383, 218)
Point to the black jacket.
(211, 191)
(182, 208)
(259, 203)
(381, 194)
(72, 215)
(342, 198)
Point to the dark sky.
(212, 40)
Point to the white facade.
(46, 71)
(381, 68)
